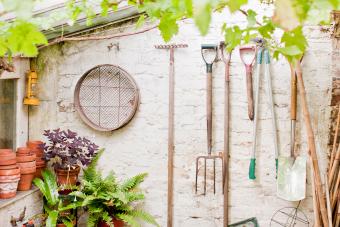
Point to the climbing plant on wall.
(22, 34)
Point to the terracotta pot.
(65, 176)
(9, 179)
(115, 222)
(27, 167)
(7, 157)
(23, 151)
(9, 166)
(41, 165)
(34, 144)
(62, 225)
(26, 158)
(39, 153)
(25, 182)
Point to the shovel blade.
(291, 178)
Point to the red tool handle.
(250, 97)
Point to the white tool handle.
(271, 101)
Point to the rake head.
(205, 158)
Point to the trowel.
(291, 178)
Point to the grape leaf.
(168, 27)
(235, 5)
(140, 21)
(24, 37)
(202, 17)
(251, 18)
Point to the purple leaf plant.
(68, 149)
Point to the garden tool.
(250, 222)
(209, 55)
(171, 146)
(226, 59)
(291, 180)
(262, 54)
(248, 57)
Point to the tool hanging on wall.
(311, 145)
(171, 125)
(291, 179)
(248, 57)
(226, 59)
(209, 55)
(262, 55)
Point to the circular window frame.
(81, 112)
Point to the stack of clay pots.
(36, 147)
(9, 174)
(26, 162)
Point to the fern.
(133, 182)
(106, 198)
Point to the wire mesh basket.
(106, 97)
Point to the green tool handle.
(252, 169)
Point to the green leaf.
(168, 27)
(202, 17)
(133, 182)
(233, 37)
(188, 7)
(52, 218)
(290, 50)
(68, 223)
(235, 5)
(251, 17)
(23, 37)
(141, 21)
(266, 30)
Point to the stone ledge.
(20, 195)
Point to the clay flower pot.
(34, 144)
(7, 157)
(115, 222)
(41, 165)
(23, 151)
(27, 170)
(67, 177)
(9, 179)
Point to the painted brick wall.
(141, 146)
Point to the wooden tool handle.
(250, 97)
(311, 145)
(209, 111)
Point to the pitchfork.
(208, 49)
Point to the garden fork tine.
(204, 50)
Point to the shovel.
(291, 179)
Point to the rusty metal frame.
(79, 107)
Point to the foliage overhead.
(68, 149)
(282, 29)
(105, 197)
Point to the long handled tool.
(291, 180)
(226, 59)
(311, 145)
(209, 55)
(263, 55)
(248, 57)
(171, 146)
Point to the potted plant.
(68, 151)
(109, 202)
(59, 209)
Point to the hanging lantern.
(31, 89)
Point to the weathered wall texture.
(141, 146)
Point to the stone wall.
(141, 146)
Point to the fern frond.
(128, 219)
(133, 182)
(144, 216)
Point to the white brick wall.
(141, 146)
